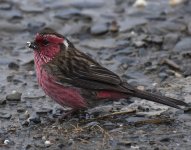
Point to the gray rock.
(99, 29)
(170, 40)
(87, 4)
(31, 8)
(67, 13)
(34, 26)
(163, 75)
(34, 118)
(5, 5)
(16, 96)
(13, 66)
(166, 27)
(130, 23)
(43, 110)
(2, 101)
(5, 115)
(183, 45)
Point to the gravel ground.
(149, 46)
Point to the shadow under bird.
(74, 79)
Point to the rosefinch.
(72, 78)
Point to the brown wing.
(75, 68)
(78, 69)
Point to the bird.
(74, 79)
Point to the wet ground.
(149, 47)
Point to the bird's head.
(48, 43)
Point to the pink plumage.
(74, 79)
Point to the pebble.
(43, 110)
(15, 96)
(2, 101)
(187, 70)
(163, 75)
(47, 143)
(125, 143)
(34, 26)
(13, 66)
(5, 115)
(70, 142)
(67, 13)
(139, 43)
(183, 45)
(99, 29)
(5, 5)
(175, 2)
(31, 8)
(170, 40)
(140, 3)
(6, 142)
(34, 118)
(82, 4)
(126, 25)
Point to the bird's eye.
(45, 42)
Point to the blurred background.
(147, 42)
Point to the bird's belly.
(64, 95)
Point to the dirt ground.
(149, 46)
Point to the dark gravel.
(148, 46)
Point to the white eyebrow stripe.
(66, 43)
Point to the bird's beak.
(32, 45)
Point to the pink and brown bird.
(74, 79)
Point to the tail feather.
(158, 98)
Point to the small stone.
(34, 26)
(142, 88)
(139, 43)
(34, 118)
(13, 66)
(43, 110)
(155, 39)
(61, 146)
(65, 14)
(127, 25)
(140, 3)
(166, 139)
(6, 142)
(44, 138)
(25, 123)
(175, 2)
(2, 101)
(99, 29)
(15, 96)
(5, 5)
(170, 40)
(163, 75)
(5, 115)
(31, 8)
(47, 143)
(21, 109)
(135, 147)
(183, 45)
(125, 143)
(70, 142)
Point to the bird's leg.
(78, 113)
(69, 114)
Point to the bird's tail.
(158, 98)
